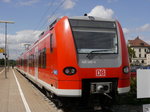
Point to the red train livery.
(78, 56)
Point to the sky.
(31, 17)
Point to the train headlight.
(69, 70)
(126, 69)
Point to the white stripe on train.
(66, 92)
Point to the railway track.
(79, 106)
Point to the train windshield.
(95, 36)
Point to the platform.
(17, 94)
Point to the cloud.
(1, 29)
(101, 11)
(6, 1)
(25, 36)
(140, 29)
(110, 1)
(16, 42)
(144, 28)
(68, 4)
(126, 31)
(29, 2)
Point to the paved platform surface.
(18, 95)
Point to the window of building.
(139, 49)
(139, 55)
(142, 44)
(145, 55)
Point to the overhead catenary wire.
(38, 27)
(52, 14)
(41, 20)
(44, 14)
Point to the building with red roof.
(142, 50)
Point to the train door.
(36, 63)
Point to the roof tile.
(137, 42)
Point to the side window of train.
(32, 58)
(51, 43)
(39, 58)
(42, 58)
(29, 60)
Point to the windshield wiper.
(92, 53)
(100, 50)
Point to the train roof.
(75, 18)
(91, 18)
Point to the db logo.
(100, 72)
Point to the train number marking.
(100, 72)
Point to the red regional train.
(79, 56)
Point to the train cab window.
(51, 43)
(95, 36)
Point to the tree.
(2, 62)
(131, 53)
(12, 62)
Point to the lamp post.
(5, 53)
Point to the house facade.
(142, 49)
(148, 58)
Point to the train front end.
(94, 57)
